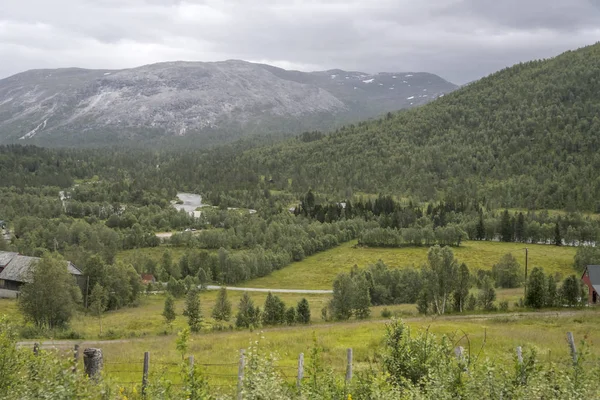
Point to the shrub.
(386, 313)
(504, 305)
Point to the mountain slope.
(526, 136)
(217, 100)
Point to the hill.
(210, 102)
(525, 136)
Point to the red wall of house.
(586, 279)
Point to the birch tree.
(441, 276)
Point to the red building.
(591, 279)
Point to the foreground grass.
(493, 337)
(318, 271)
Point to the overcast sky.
(460, 40)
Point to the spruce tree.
(557, 235)
(551, 293)
(506, 227)
(520, 228)
(248, 315)
(192, 310)
(487, 294)
(290, 316)
(571, 290)
(303, 312)
(169, 310)
(274, 310)
(480, 228)
(222, 308)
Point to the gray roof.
(5, 257)
(594, 274)
(18, 267)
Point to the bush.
(385, 313)
(504, 305)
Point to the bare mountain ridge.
(74, 106)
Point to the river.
(190, 203)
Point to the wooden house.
(15, 270)
(591, 279)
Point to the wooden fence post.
(349, 366)
(93, 362)
(75, 357)
(300, 370)
(241, 367)
(571, 341)
(36, 349)
(519, 354)
(191, 361)
(145, 373)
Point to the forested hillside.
(526, 136)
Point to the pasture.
(319, 271)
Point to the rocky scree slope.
(219, 99)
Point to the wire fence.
(226, 376)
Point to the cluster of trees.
(586, 255)
(444, 285)
(543, 291)
(274, 312)
(192, 309)
(53, 295)
(249, 315)
(449, 235)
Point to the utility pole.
(526, 259)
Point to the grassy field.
(146, 319)
(544, 331)
(318, 271)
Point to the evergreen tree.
(471, 302)
(222, 308)
(506, 227)
(176, 287)
(274, 310)
(557, 235)
(571, 291)
(480, 234)
(192, 310)
(487, 294)
(362, 299)
(520, 228)
(290, 316)
(423, 302)
(169, 310)
(166, 263)
(537, 288)
(248, 315)
(551, 293)
(303, 312)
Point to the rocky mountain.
(213, 101)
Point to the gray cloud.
(461, 40)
